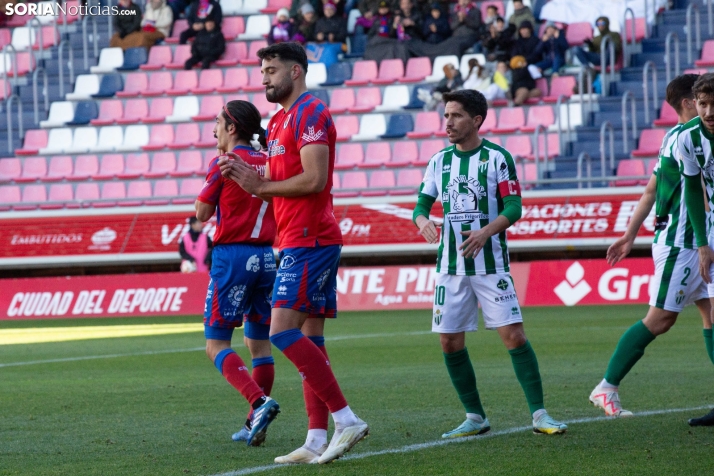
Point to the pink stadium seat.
(542, 84)
(390, 70)
(191, 188)
(187, 134)
(528, 173)
(134, 84)
(237, 97)
(210, 107)
(159, 83)
(380, 182)
(161, 135)
(510, 119)
(427, 150)
(553, 146)
(135, 165)
(275, 5)
(137, 191)
(630, 167)
(85, 166)
(232, 27)
(72, 12)
(164, 190)
(206, 139)
(162, 164)
(519, 146)
(10, 169)
(113, 191)
(346, 126)
(377, 155)
(184, 81)
(159, 55)
(255, 81)
(707, 58)
(497, 4)
(560, 85)
(5, 37)
(110, 166)
(366, 99)
(496, 140)
(417, 70)
(159, 110)
(35, 139)
(109, 111)
(25, 63)
(235, 52)
(405, 153)
(60, 194)
(33, 168)
(134, 111)
(251, 59)
(650, 142)
(425, 125)
(577, 33)
(180, 25)
(208, 81)
(349, 156)
(181, 54)
(640, 29)
(410, 178)
(539, 115)
(5, 89)
(650, 168)
(698, 71)
(234, 80)
(208, 156)
(362, 73)
(264, 106)
(667, 116)
(341, 100)
(60, 167)
(353, 181)
(86, 193)
(49, 38)
(189, 163)
(9, 195)
(335, 181)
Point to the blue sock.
(221, 357)
(317, 340)
(285, 339)
(263, 361)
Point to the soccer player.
(243, 270)
(301, 150)
(477, 183)
(694, 149)
(676, 281)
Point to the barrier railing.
(626, 48)
(584, 156)
(605, 128)
(13, 62)
(697, 19)
(536, 152)
(35, 102)
(628, 96)
(85, 40)
(563, 99)
(607, 78)
(8, 112)
(582, 74)
(650, 65)
(70, 65)
(668, 56)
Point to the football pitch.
(139, 397)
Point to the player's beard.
(279, 92)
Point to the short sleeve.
(684, 152)
(313, 127)
(428, 185)
(507, 178)
(213, 184)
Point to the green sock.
(629, 350)
(464, 379)
(525, 364)
(708, 342)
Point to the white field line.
(437, 443)
(193, 349)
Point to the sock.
(605, 385)
(629, 350)
(264, 373)
(708, 342)
(464, 379)
(316, 438)
(474, 417)
(318, 415)
(234, 370)
(525, 364)
(312, 366)
(344, 417)
(539, 413)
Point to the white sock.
(316, 438)
(538, 413)
(607, 386)
(345, 417)
(475, 417)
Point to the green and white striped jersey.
(694, 150)
(470, 186)
(670, 196)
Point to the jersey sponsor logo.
(502, 285)
(253, 264)
(282, 290)
(318, 297)
(269, 259)
(311, 135)
(322, 280)
(679, 296)
(275, 149)
(574, 288)
(464, 193)
(505, 298)
(438, 315)
(235, 295)
(287, 262)
(288, 277)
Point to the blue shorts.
(241, 284)
(307, 280)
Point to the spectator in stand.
(296, 6)
(551, 49)
(339, 7)
(450, 82)
(157, 21)
(523, 86)
(436, 27)
(478, 78)
(207, 47)
(126, 22)
(520, 14)
(500, 41)
(592, 57)
(407, 21)
(201, 12)
(364, 23)
(383, 25)
(491, 15)
(283, 30)
(365, 6)
(331, 28)
(492, 87)
(466, 21)
(526, 43)
(195, 247)
(305, 30)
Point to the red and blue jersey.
(240, 217)
(308, 220)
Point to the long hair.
(246, 119)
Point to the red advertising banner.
(552, 283)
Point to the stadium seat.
(23, 38)
(134, 111)
(275, 5)
(86, 193)
(234, 79)
(231, 7)
(110, 138)
(380, 183)
(404, 153)
(577, 33)
(528, 173)
(84, 112)
(542, 85)
(362, 73)
(499, 7)
(61, 112)
(410, 179)
(60, 193)
(190, 188)
(335, 181)
(85, 167)
(83, 140)
(264, 106)
(109, 112)
(133, 59)
(427, 149)
(510, 119)
(560, 85)
(180, 25)
(698, 71)
(56, 141)
(321, 94)
(159, 110)
(159, 55)
(398, 126)
(376, 155)
(109, 60)
(135, 165)
(33, 169)
(651, 164)
(395, 98)
(390, 71)
(539, 115)
(208, 81)
(164, 190)
(5, 88)
(251, 58)
(109, 86)
(136, 193)
(111, 193)
(338, 73)
(186, 135)
(185, 107)
(9, 195)
(255, 81)
(10, 169)
(464, 64)
(159, 83)
(208, 156)
(235, 52)
(251, 7)
(72, 12)
(351, 183)
(349, 156)
(85, 85)
(181, 54)
(640, 29)
(371, 126)
(184, 82)
(630, 167)
(437, 71)
(346, 126)
(519, 146)
(316, 75)
(5, 37)
(650, 142)
(667, 116)
(341, 100)
(357, 45)
(162, 164)
(189, 163)
(110, 166)
(60, 168)
(553, 146)
(135, 137)
(417, 70)
(366, 99)
(256, 27)
(206, 140)
(135, 84)
(232, 27)
(707, 57)
(210, 107)
(425, 125)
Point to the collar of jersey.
(244, 147)
(468, 153)
(297, 100)
(706, 133)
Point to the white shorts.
(677, 282)
(456, 300)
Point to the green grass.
(172, 413)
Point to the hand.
(408, 22)
(234, 168)
(618, 250)
(432, 27)
(462, 16)
(427, 229)
(706, 258)
(475, 242)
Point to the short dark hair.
(704, 85)
(680, 88)
(474, 102)
(286, 51)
